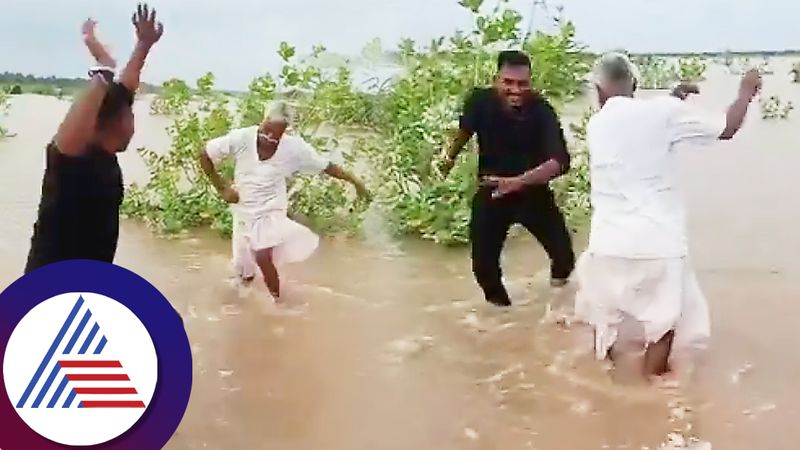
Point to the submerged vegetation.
(774, 108)
(392, 131)
(795, 72)
(4, 104)
(662, 73)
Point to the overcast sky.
(237, 39)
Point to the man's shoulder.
(540, 102)
(293, 140)
(294, 144)
(479, 95)
(240, 136)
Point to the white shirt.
(262, 184)
(638, 210)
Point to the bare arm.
(96, 48)
(219, 183)
(340, 173)
(77, 128)
(735, 117)
(457, 144)
(469, 122)
(148, 32)
(750, 85)
(222, 185)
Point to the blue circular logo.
(93, 356)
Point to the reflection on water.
(394, 348)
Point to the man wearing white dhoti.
(265, 156)
(637, 289)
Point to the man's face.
(272, 131)
(514, 84)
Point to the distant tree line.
(18, 83)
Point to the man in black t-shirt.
(82, 187)
(521, 148)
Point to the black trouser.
(536, 210)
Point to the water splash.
(376, 231)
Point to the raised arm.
(148, 32)
(96, 48)
(77, 128)
(748, 89)
(689, 125)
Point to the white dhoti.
(641, 300)
(291, 242)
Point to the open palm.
(148, 29)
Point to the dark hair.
(513, 58)
(117, 99)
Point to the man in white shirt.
(263, 234)
(638, 291)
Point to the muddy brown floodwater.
(396, 351)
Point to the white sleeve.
(689, 124)
(219, 148)
(307, 160)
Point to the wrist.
(107, 74)
(143, 46)
(530, 177)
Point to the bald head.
(615, 75)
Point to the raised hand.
(148, 29)
(96, 48)
(88, 28)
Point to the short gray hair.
(615, 69)
(278, 111)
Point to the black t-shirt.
(79, 210)
(511, 143)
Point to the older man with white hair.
(638, 291)
(265, 156)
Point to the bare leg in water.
(265, 262)
(652, 364)
(656, 358)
